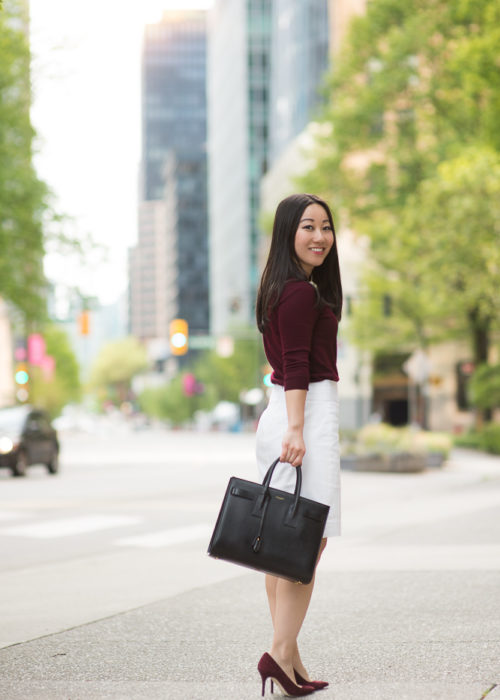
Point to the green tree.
(53, 393)
(22, 194)
(171, 403)
(441, 268)
(411, 162)
(484, 387)
(223, 379)
(229, 376)
(414, 83)
(114, 368)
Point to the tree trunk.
(480, 327)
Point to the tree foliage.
(229, 376)
(223, 379)
(412, 162)
(441, 267)
(169, 402)
(53, 393)
(22, 194)
(484, 387)
(114, 368)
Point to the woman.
(299, 305)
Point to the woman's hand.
(293, 447)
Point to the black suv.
(27, 437)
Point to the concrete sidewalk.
(406, 607)
(408, 635)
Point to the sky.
(86, 111)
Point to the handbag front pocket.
(242, 493)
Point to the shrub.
(490, 438)
(471, 439)
(434, 443)
(484, 386)
(383, 438)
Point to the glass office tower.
(239, 83)
(174, 124)
(266, 62)
(299, 61)
(259, 30)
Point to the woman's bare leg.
(271, 583)
(288, 604)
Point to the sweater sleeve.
(297, 315)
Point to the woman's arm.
(293, 448)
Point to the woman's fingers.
(292, 456)
(293, 448)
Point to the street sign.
(418, 366)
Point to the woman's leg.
(288, 604)
(271, 585)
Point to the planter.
(361, 463)
(435, 459)
(405, 462)
(396, 462)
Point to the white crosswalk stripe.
(65, 527)
(166, 538)
(11, 515)
(92, 523)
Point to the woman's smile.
(317, 251)
(314, 238)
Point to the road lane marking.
(166, 538)
(12, 515)
(69, 526)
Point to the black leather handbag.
(269, 530)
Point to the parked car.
(27, 437)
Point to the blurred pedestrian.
(299, 305)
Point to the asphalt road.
(106, 589)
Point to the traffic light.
(179, 336)
(84, 322)
(21, 376)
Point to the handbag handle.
(262, 502)
(298, 485)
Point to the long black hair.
(283, 264)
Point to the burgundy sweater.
(300, 338)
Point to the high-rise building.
(306, 35)
(169, 266)
(173, 95)
(299, 61)
(267, 59)
(238, 87)
(149, 272)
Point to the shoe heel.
(264, 679)
(268, 668)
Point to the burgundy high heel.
(268, 668)
(317, 685)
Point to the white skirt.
(321, 463)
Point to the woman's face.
(314, 238)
